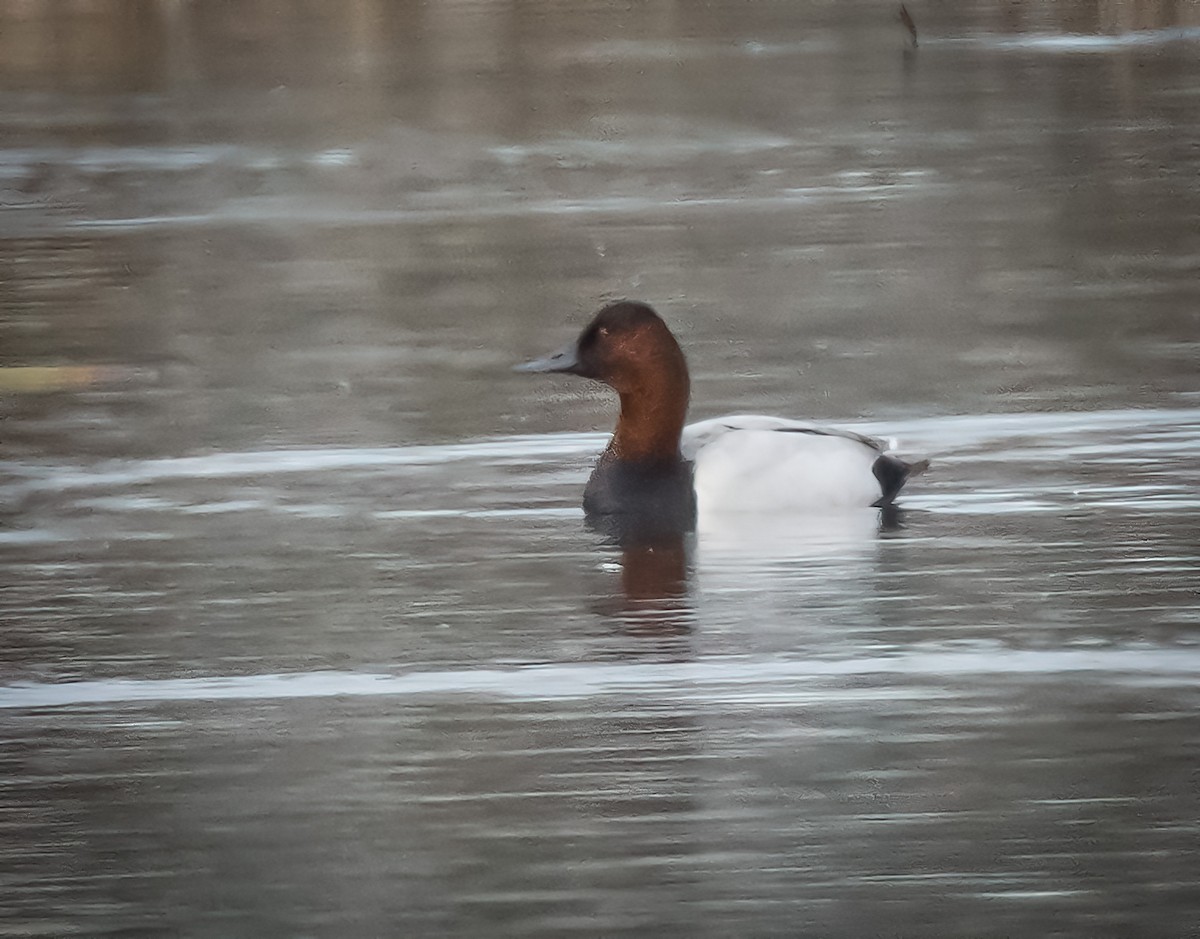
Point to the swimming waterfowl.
(655, 466)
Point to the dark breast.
(636, 500)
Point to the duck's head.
(627, 346)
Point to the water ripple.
(721, 679)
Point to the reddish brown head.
(629, 348)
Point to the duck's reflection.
(654, 572)
(663, 572)
(655, 563)
(752, 539)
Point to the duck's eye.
(603, 331)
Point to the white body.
(751, 463)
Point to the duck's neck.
(652, 417)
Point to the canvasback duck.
(745, 463)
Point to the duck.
(658, 467)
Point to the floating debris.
(41, 379)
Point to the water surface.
(303, 631)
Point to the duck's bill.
(564, 360)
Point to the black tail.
(892, 473)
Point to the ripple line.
(711, 680)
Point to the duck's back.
(750, 463)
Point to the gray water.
(301, 629)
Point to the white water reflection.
(1061, 441)
(740, 680)
(1081, 42)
